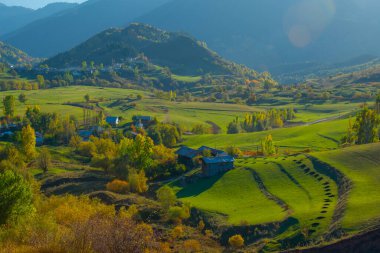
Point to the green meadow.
(361, 164)
(297, 187)
(187, 114)
(322, 136)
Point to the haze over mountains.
(271, 34)
(15, 17)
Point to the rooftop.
(218, 159)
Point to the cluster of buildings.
(213, 161)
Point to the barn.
(186, 156)
(212, 166)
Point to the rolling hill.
(14, 17)
(181, 53)
(72, 27)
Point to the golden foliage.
(118, 186)
(236, 241)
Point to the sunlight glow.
(305, 21)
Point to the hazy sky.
(35, 4)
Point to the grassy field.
(246, 193)
(236, 195)
(295, 181)
(361, 164)
(322, 136)
(187, 114)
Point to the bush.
(236, 241)
(192, 246)
(118, 186)
(177, 213)
(234, 151)
(86, 149)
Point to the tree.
(350, 137)
(41, 81)
(366, 126)
(28, 141)
(9, 105)
(377, 104)
(87, 98)
(44, 159)
(16, 197)
(166, 197)
(22, 98)
(137, 181)
(84, 65)
(136, 153)
(267, 146)
(236, 241)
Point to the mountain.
(13, 56)
(49, 36)
(179, 52)
(13, 18)
(277, 35)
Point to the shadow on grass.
(200, 186)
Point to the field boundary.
(344, 185)
(268, 194)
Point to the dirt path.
(215, 128)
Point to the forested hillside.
(181, 53)
(55, 34)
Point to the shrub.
(177, 232)
(118, 186)
(177, 213)
(234, 151)
(191, 246)
(166, 197)
(236, 241)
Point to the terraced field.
(361, 164)
(312, 189)
(310, 196)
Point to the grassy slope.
(301, 191)
(186, 114)
(235, 194)
(320, 136)
(362, 165)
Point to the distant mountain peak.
(179, 52)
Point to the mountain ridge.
(179, 52)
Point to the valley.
(176, 126)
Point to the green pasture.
(322, 136)
(187, 114)
(361, 164)
(295, 181)
(235, 195)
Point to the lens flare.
(305, 21)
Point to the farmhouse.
(212, 166)
(143, 119)
(113, 121)
(186, 156)
(39, 139)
